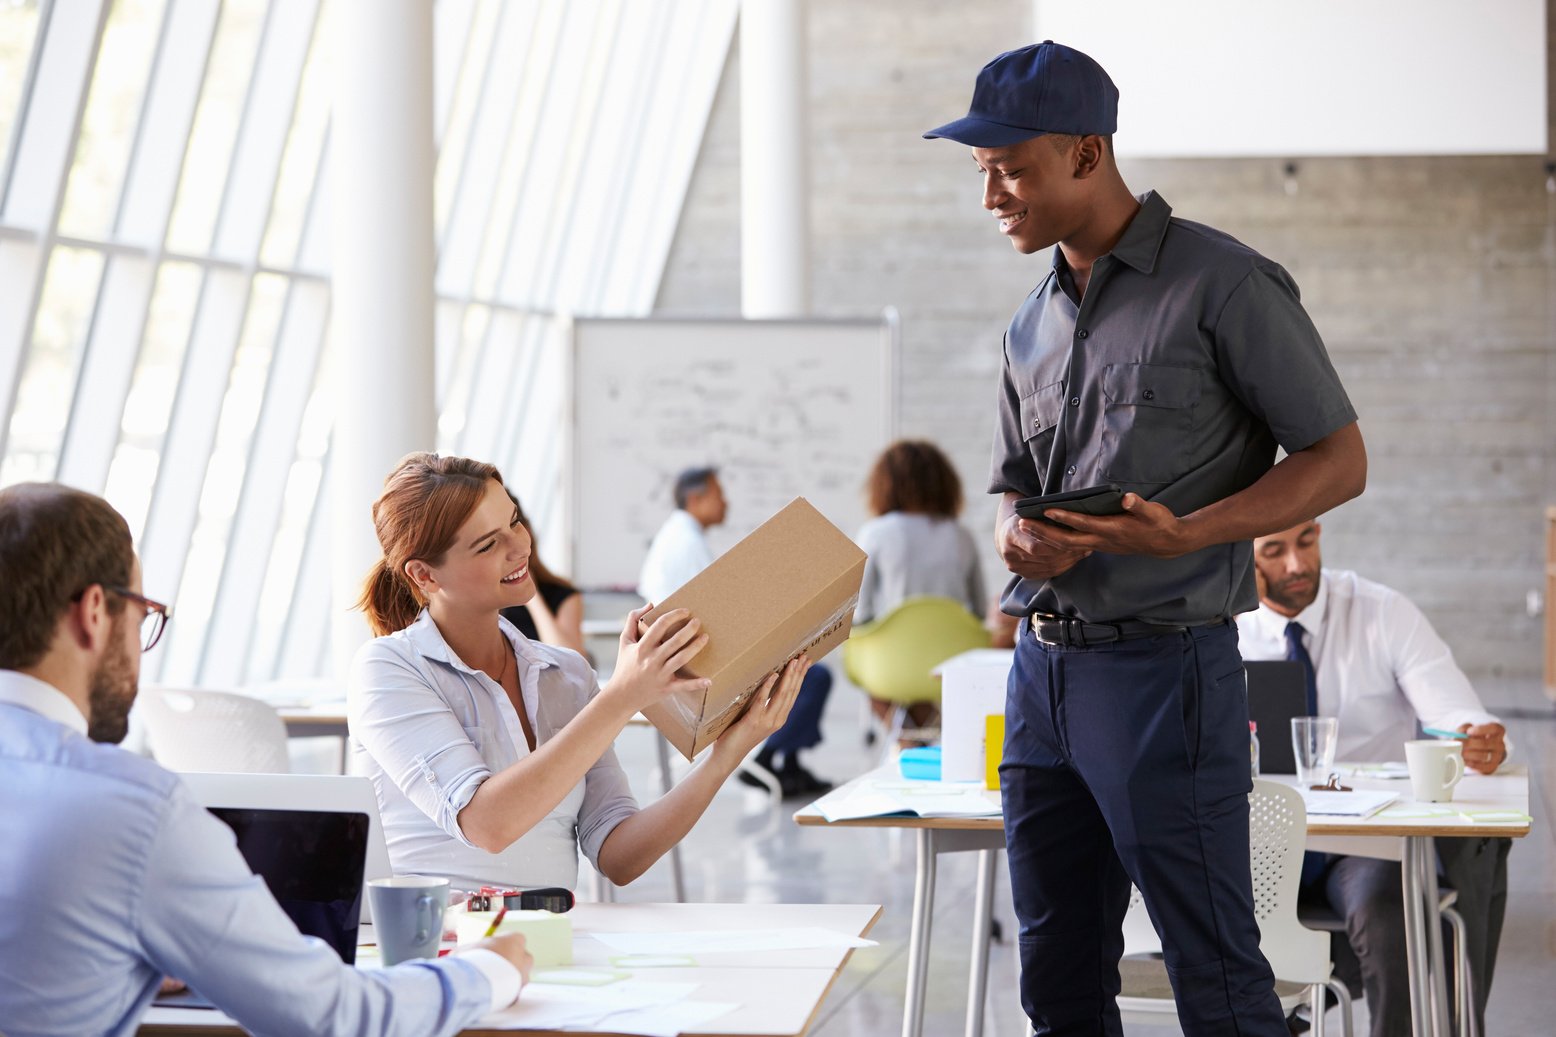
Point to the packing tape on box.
(830, 625)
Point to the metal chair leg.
(1315, 1001)
(1342, 998)
(1464, 983)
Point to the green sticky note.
(1496, 816)
(578, 977)
(654, 961)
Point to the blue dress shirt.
(111, 876)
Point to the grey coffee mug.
(407, 916)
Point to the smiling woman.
(491, 753)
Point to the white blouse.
(428, 730)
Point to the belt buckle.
(1066, 630)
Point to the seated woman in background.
(491, 753)
(915, 545)
(554, 614)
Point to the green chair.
(891, 658)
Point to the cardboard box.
(972, 686)
(790, 586)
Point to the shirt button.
(1037, 422)
(1149, 394)
(1075, 401)
(1083, 333)
(1070, 470)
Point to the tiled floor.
(743, 850)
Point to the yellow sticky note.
(993, 749)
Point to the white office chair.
(196, 730)
(1298, 956)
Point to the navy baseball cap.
(1044, 88)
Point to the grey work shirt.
(1188, 360)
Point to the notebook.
(1277, 692)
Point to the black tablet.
(1106, 499)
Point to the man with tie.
(1373, 661)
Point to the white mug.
(1436, 765)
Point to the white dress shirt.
(678, 552)
(112, 876)
(1379, 666)
(428, 729)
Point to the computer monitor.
(329, 793)
(1277, 691)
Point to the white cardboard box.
(972, 685)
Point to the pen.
(492, 931)
(1438, 732)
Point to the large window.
(164, 268)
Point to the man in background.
(113, 875)
(680, 551)
(1372, 660)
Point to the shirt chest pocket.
(1040, 410)
(1148, 415)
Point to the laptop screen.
(312, 860)
(1277, 691)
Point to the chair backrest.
(198, 730)
(1277, 831)
(892, 657)
(1277, 834)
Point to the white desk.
(779, 992)
(1409, 840)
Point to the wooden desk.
(1409, 840)
(779, 992)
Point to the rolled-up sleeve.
(401, 720)
(607, 802)
(1273, 359)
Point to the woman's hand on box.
(647, 665)
(769, 709)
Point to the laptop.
(312, 838)
(1277, 691)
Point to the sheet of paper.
(552, 1006)
(1360, 803)
(665, 1020)
(716, 941)
(1390, 769)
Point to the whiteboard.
(1228, 78)
(783, 409)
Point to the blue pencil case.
(921, 764)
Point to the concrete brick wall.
(1433, 281)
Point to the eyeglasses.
(157, 614)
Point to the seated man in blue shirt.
(113, 875)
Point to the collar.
(1142, 239)
(41, 697)
(427, 639)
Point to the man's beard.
(1293, 602)
(112, 692)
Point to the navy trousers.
(1128, 762)
(803, 728)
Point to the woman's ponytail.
(387, 600)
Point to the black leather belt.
(1077, 633)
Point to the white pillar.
(774, 190)
(383, 259)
